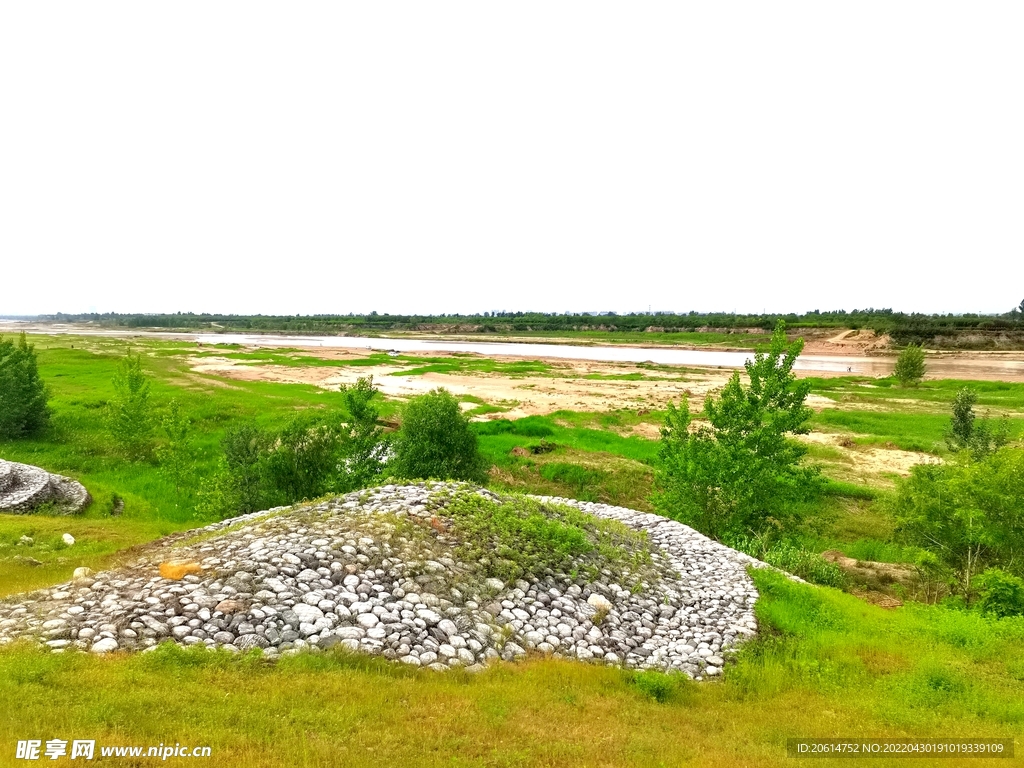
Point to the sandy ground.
(870, 462)
(523, 396)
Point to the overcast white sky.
(473, 156)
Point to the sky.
(411, 157)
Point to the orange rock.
(177, 569)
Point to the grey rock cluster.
(376, 572)
(24, 488)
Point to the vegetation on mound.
(513, 536)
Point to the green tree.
(967, 513)
(435, 441)
(910, 366)
(128, 413)
(23, 396)
(177, 454)
(739, 475)
(968, 433)
(304, 463)
(364, 448)
(246, 448)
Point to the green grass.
(498, 437)
(909, 431)
(825, 665)
(991, 394)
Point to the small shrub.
(1001, 593)
(435, 441)
(128, 413)
(910, 366)
(655, 685)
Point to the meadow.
(826, 662)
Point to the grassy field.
(826, 663)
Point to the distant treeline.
(967, 330)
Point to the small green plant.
(128, 413)
(177, 454)
(655, 685)
(910, 367)
(968, 433)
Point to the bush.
(967, 433)
(304, 464)
(435, 441)
(128, 414)
(966, 513)
(245, 486)
(364, 447)
(23, 409)
(1001, 593)
(910, 366)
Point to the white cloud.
(336, 157)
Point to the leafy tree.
(739, 475)
(967, 433)
(910, 366)
(23, 408)
(364, 448)
(304, 463)
(177, 454)
(435, 441)
(967, 513)
(128, 413)
(246, 448)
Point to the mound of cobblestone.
(24, 489)
(390, 571)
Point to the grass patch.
(910, 431)
(516, 536)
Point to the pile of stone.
(24, 489)
(377, 572)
